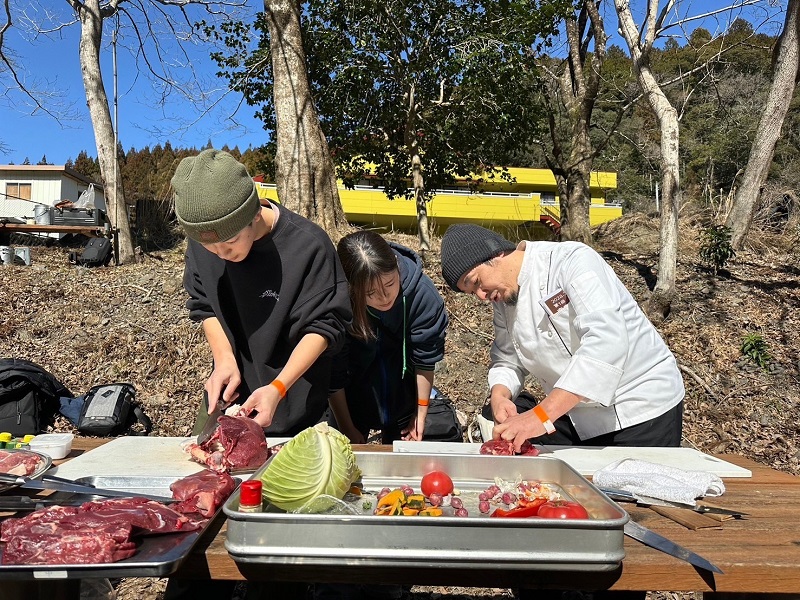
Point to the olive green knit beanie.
(215, 198)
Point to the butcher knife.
(640, 500)
(212, 420)
(19, 503)
(659, 542)
(75, 488)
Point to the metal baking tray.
(156, 555)
(595, 544)
(45, 462)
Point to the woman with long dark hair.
(384, 376)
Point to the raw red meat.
(51, 514)
(506, 448)
(203, 492)
(18, 463)
(101, 531)
(238, 443)
(79, 547)
(149, 516)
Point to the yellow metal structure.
(529, 199)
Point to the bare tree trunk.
(578, 86)
(660, 302)
(305, 176)
(417, 180)
(89, 51)
(784, 80)
(421, 198)
(575, 210)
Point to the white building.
(31, 191)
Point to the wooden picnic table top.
(760, 554)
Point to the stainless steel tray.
(596, 544)
(45, 462)
(156, 555)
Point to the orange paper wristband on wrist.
(279, 386)
(423, 402)
(544, 418)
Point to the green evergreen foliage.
(755, 348)
(715, 246)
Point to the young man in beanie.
(563, 316)
(270, 292)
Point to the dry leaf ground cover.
(128, 323)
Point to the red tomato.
(436, 482)
(562, 509)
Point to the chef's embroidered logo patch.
(555, 303)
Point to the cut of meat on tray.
(94, 532)
(79, 547)
(203, 492)
(146, 515)
(19, 463)
(52, 514)
(238, 443)
(105, 531)
(63, 519)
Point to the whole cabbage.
(318, 460)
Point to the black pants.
(662, 431)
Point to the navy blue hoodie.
(379, 374)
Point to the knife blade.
(212, 420)
(625, 496)
(76, 488)
(659, 542)
(18, 503)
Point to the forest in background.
(719, 109)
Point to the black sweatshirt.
(290, 284)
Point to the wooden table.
(759, 555)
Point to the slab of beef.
(203, 492)
(506, 448)
(76, 547)
(148, 516)
(50, 514)
(64, 519)
(238, 443)
(18, 463)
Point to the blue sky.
(53, 65)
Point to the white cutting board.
(132, 456)
(135, 456)
(588, 459)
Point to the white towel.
(644, 478)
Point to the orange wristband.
(423, 402)
(279, 386)
(544, 418)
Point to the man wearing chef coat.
(563, 316)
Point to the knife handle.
(13, 479)
(687, 517)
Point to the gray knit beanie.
(465, 246)
(215, 198)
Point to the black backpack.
(442, 424)
(29, 397)
(96, 253)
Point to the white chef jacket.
(594, 342)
